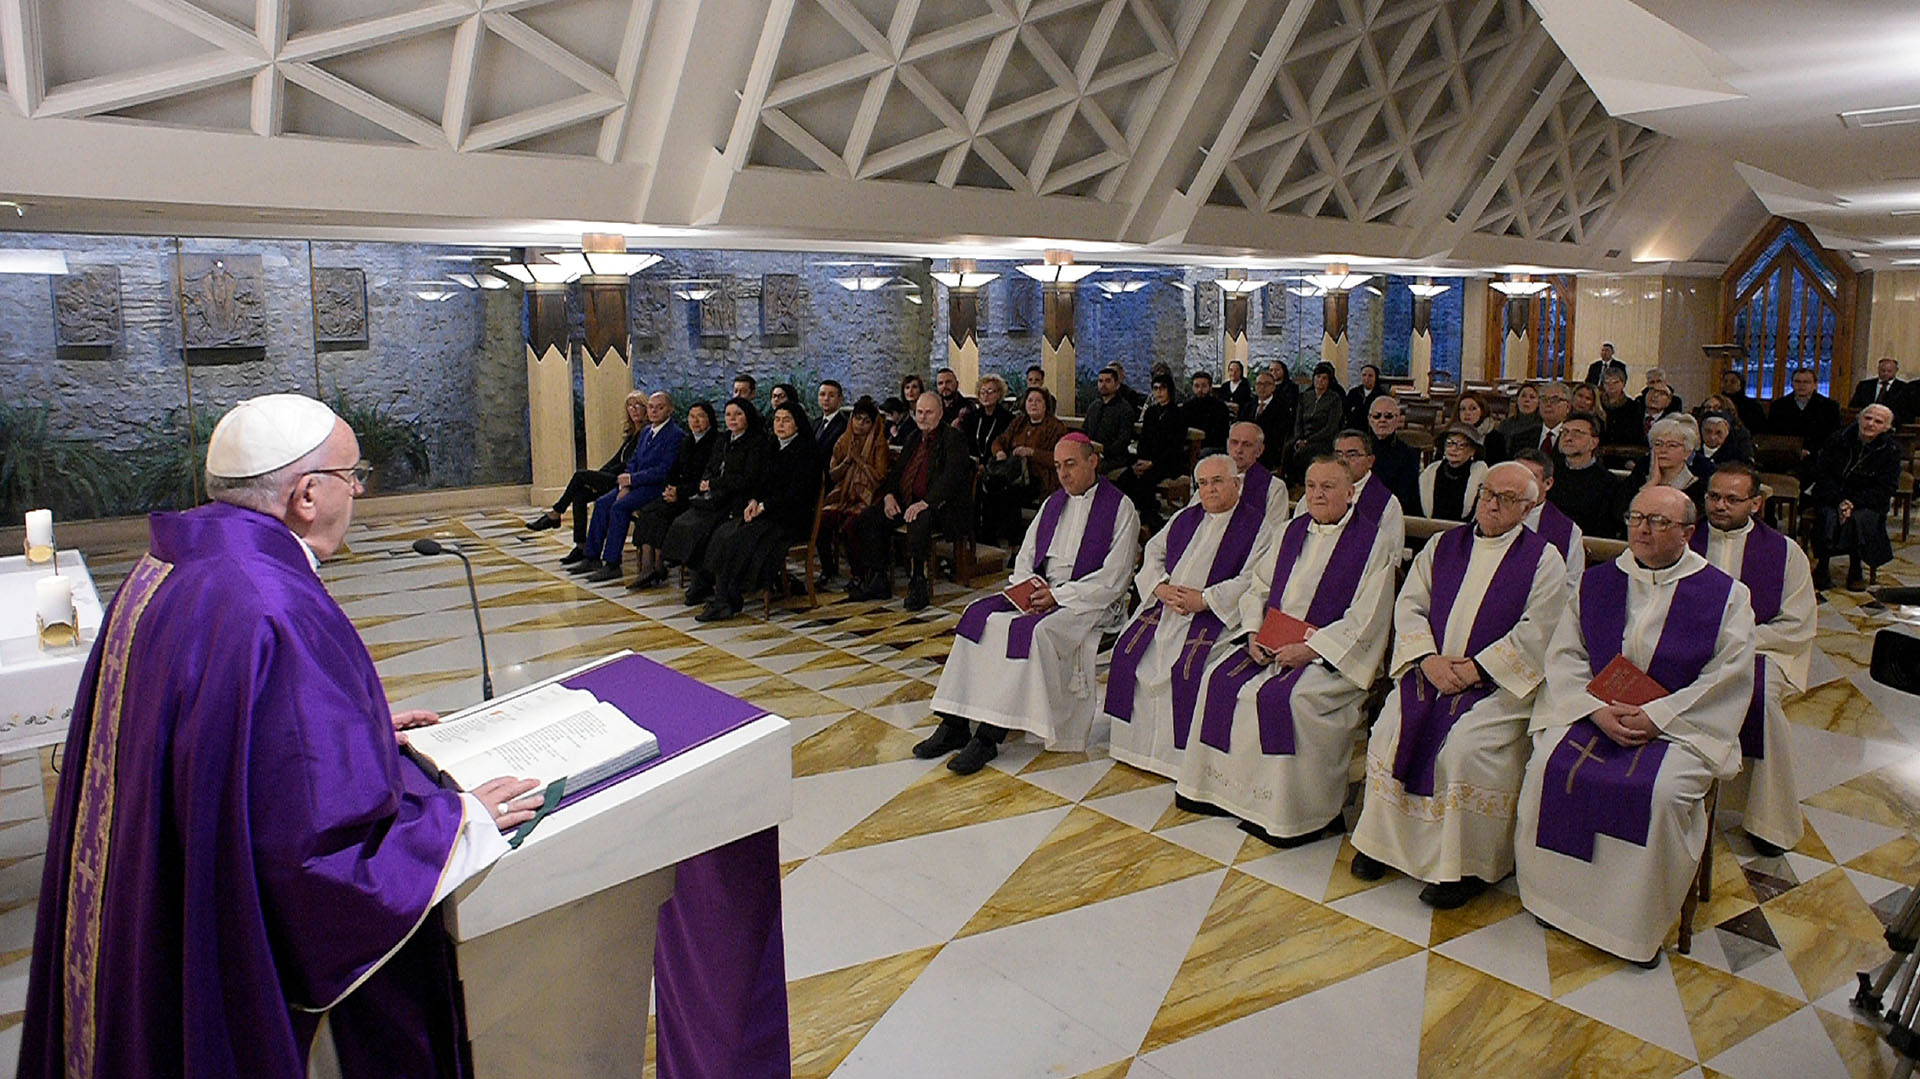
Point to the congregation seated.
(734, 468)
(1108, 418)
(749, 548)
(1371, 495)
(1747, 412)
(1450, 485)
(1855, 476)
(1586, 398)
(1034, 670)
(1806, 414)
(1320, 414)
(1671, 443)
(832, 421)
(587, 484)
(1272, 409)
(1613, 803)
(1625, 416)
(1277, 726)
(1020, 469)
(856, 469)
(900, 422)
(1268, 492)
(1522, 425)
(1584, 488)
(1718, 445)
(655, 452)
(1471, 411)
(988, 419)
(1543, 517)
(1161, 453)
(651, 521)
(1206, 413)
(957, 407)
(1445, 758)
(1362, 396)
(1237, 390)
(1395, 462)
(928, 485)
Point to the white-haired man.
(1246, 442)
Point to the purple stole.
(1243, 528)
(1556, 528)
(1763, 569)
(1095, 544)
(1614, 794)
(1427, 716)
(1331, 598)
(1373, 499)
(1255, 485)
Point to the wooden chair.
(1783, 498)
(810, 555)
(1600, 550)
(1701, 891)
(960, 547)
(1903, 500)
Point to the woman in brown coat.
(1029, 439)
(854, 473)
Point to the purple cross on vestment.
(1614, 792)
(1096, 542)
(1229, 558)
(1332, 596)
(1427, 716)
(1763, 569)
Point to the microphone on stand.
(433, 547)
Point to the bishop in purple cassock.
(1470, 642)
(238, 850)
(1612, 815)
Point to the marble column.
(549, 392)
(1057, 351)
(606, 367)
(1334, 345)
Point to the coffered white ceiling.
(1429, 130)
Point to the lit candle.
(39, 535)
(54, 604)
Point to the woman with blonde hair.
(589, 484)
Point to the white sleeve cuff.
(478, 845)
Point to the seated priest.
(1277, 724)
(1190, 582)
(1545, 518)
(1246, 442)
(1470, 643)
(1613, 815)
(237, 846)
(1780, 582)
(1033, 670)
(1370, 492)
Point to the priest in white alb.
(1033, 670)
(1612, 816)
(1245, 443)
(1470, 643)
(1780, 580)
(1370, 493)
(1190, 582)
(1545, 518)
(1277, 726)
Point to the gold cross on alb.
(1586, 754)
(1195, 648)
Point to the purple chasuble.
(1236, 543)
(236, 842)
(1556, 528)
(1427, 715)
(1096, 542)
(1763, 569)
(1255, 484)
(1614, 792)
(1332, 596)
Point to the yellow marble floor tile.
(1888, 796)
(1851, 651)
(857, 741)
(1088, 857)
(910, 633)
(1842, 709)
(941, 800)
(1173, 816)
(791, 699)
(1116, 1070)
(390, 649)
(794, 646)
(829, 1013)
(868, 673)
(935, 648)
(550, 592)
(1047, 760)
(602, 615)
(519, 573)
(710, 664)
(372, 621)
(1866, 1053)
(1259, 946)
(828, 660)
(1572, 963)
(1827, 932)
(1810, 843)
(1343, 883)
(915, 690)
(1724, 1010)
(1487, 908)
(1897, 859)
(1123, 778)
(1729, 894)
(788, 867)
(401, 686)
(1477, 1025)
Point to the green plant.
(167, 466)
(72, 477)
(395, 446)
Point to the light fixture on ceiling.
(604, 263)
(538, 274)
(431, 291)
(1121, 288)
(1520, 287)
(864, 282)
(915, 297)
(1058, 268)
(1337, 279)
(1861, 119)
(1307, 292)
(32, 261)
(695, 291)
(18, 209)
(1426, 290)
(480, 281)
(1181, 285)
(964, 274)
(1236, 283)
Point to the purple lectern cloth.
(1591, 788)
(1332, 596)
(1229, 558)
(1096, 543)
(1427, 716)
(1763, 569)
(235, 836)
(681, 712)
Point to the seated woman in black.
(1162, 456)
(650, 522)
(746, 551)
(732, 476)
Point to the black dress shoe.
(543, 522)
(699, 592)
(1195, 806)
(1366, 868)
(585, 566)
(1288, 842)
(650, 581)
(1822, 576)
(944, 740)
(974, 757)
(1856, 577)
(1761, 846)
(919, 594)
(573, 556)
(716, 610)
(608, 571)
(1454, 894)
(875, 588)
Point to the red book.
(1280, 629)
(1620, 682)
(1021, 595)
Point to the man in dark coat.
(929, 483)
(1886, 389)
(1396, 463)
(1806, 414)
(1854, 478)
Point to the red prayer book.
(1620, 682)
(1021, 595)
(1280, 629)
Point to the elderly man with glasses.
(1395, 463)
(1649, 677)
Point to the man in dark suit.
(1396, 463)
(1807, 415)
(1888, 390)
(1597, 370)
(929, 483)
(832, 422)
(1208, 413)
(1273, 415)
(956, 405)
(1733, 387)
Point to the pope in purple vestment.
(237, 846)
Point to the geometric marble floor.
(1055, 915)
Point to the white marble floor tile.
(1823, 759)
(1015, 754)
(830, 923)
(1072, 782)
(1395, 907)
(1822, 669)
(1872, 889)
(1107, 964)
(1304, 871)
(906, 715)
(1143, 1070)
(1219, 838)
(1142, 808)
(1776, 974)
(961, 1019)
(1368, 1025)
(1796, 1046)
(1900, 709)
(824, 806)
(1513, 950)
(1847, 838)
(1644, 1003)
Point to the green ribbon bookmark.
(554, 792)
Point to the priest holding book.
(1190, 583)
(238, 850)
(1282, 701)
(1649, 678)
(1470, 641)
(1024, 659)
(1780, 580)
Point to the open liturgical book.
(552, 734)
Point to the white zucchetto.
(261, 434)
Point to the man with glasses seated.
(1612, 815)
(1355, 450)
(1470, 640)
(1395, 463)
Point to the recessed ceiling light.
(1861, 119)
